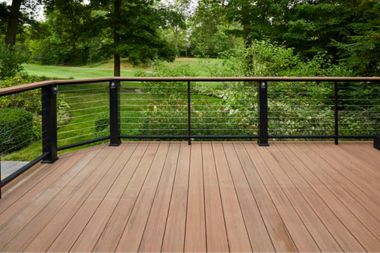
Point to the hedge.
(16, 129)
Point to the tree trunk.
(116, 37)
(116, 62)
(10, 37)
(176, 34)
(249, 68)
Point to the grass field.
(198, 67)
(65, 72)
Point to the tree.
(69, 35)
(116, 36)
(345, 30)
(175, 20)
(13, 20)
(210, 30)
(15, 17)
(76, 33)
(259, 20)
(135, 30)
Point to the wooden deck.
(218, 197)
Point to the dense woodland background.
(341, 34)
(78, 39)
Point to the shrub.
(16, 129)
(63, 111)
(101, 125)
(11, 61)
(30, 100)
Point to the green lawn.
(65, 72)
(195, 66)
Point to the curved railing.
(71, 113)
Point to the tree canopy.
(79, 32)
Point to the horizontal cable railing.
(62, 114)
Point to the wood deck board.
(312, 221)
(296, 227)
(53, 196)
(195, 235)
(340, 193)
(174, 239)
(211, 196)
(316, 196)
(58, 213)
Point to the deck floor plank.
(174, 239)
(236, 228)
(83, 210)
(114, 228)
(134, 230)
(364, 194)
(364, 156)
(315, 196)
(216, 233)
(299, 232)
(94, 228)
(370, 220)
(345, 167)
(53, 197)
(31, 191)
(155, 226)
(356, 227)
(322, 236)
(210, 196)
(277, 230)
(195, 235)
(58, 213)
(353, 167)
(257, 230)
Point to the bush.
(11, 61)
(16, 129)
(29, 100)
(101, 125)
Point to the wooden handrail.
(32, 86)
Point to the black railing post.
(115, 113)
(263, 114)
(336, 113)
(189, 112)
(376, 142)
(49, 123)
(1, 184)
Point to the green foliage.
(16, 129)
(259, 20)
(30, 100)
(347, 31)
(270, 59)
(70, 35)
(11, 61)
(138, 31)
(210, 31)
(102, 124)
(63, 111)
(295, 108)
(75, 33)
(3, 19)
(174, 28)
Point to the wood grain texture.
(210, 196)
(174, 239)
(195, 237)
